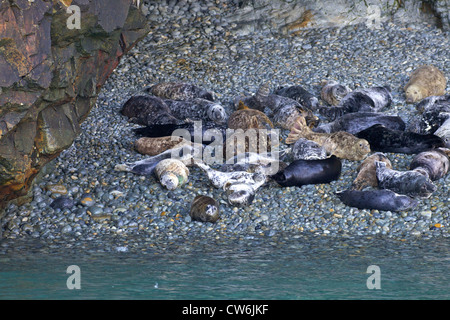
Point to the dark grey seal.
(385, 200)
(302, 172)
(358, 121)
(363, 100)
(385, 139)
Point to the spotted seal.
(384, 139)
(367, 175)
(240, 186)
(155, 146)
(303, 172)
(341, 144)
(304, 149)
(425, 81)
(197, 109)
(204, 209)
(434, 163)
(411, 183)
(385, 200)
(267, 163)
(176, 90)
(246, 118)
(358, 121)
(444, 132)
(362, 100)
(148, 110)
(299, 94)
(435, 110)
(332, 92)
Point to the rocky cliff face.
(51, 71)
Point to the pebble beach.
(193, 42)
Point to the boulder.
(51, 71)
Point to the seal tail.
(263, 92)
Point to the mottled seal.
(385, 200)
(304, 149)
(267, 163)
(384, 139)
(435, 163)
(154, 146)
(240, 186)
(246, 118)
(358, 121)
(444, 132)
(197, 109)
(425, 81)
(411, 183)
(148, 110)
(362, 100)
(302, 172)
(172, 173)
(282, 110)
(333, 92)
(367, 173)
(435, 110)
(204, 209)
(299, 94)
(176, 90)
(341, 144)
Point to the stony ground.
(193, 43)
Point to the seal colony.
(357, 128)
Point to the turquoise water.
(300, 269)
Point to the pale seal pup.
(204, 209)
(341, 144)
(172, 173)
(358, 121)
(197, 109)
(423, 82)
(411, 183)
(303, 172)
(434, 163)
(372, 99)
(300, 95)
(384, 139)
(176, 90)
(367, 172)
(266, 163)
(385, 200)
(333, 92)
(148, 110)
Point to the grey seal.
(411, 183)
(385, 200)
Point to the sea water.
(297, 269)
